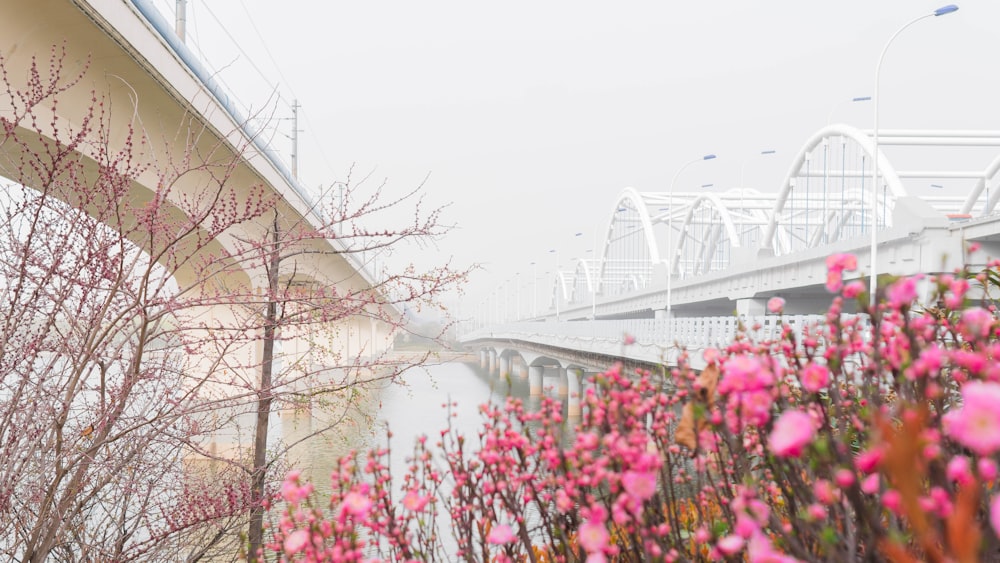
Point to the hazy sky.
(531, 117)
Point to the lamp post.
(944, 10)
(670, 230)
(534, 289)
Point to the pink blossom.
(834, 281)
(987, 468)
(995, 515)
(628, 340)
(974, 247)
(291, 491)
(977, 424)
(841, 262)
(870, 484)
(854, 289)
(744, 373)
(593, 536)
(815, 377)
(958, 470)
(356, 504)
(775, 304)
(902, 293)
(415, 501)
(730, 544)
(792, 432)
(639, 485)
(844, 478)
(977, 323)
(296, 541)
(500, 534)
(868, 460)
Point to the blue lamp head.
(944, 10)
(708, 157)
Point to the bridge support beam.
(484, 359)
(535, 374)
(563, 389)
(574, 379)
(504, 366)
(493, 361)
(750, 307)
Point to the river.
(417, 405)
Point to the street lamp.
(944, 10)
(670, 230)
(558, 282)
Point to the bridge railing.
(653, 340)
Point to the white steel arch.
(714, 235)
(781, 217)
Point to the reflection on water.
(418, 406)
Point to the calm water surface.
(419, 407)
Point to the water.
(417, 407)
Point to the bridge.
(150, 81)
(681, 270)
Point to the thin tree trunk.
(256, 532)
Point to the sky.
(528, 118)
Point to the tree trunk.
(258, 477)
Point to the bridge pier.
(750, 307)
(492, 361)
(504, 366)
(484, 359)
(535, 374)
(574, 379)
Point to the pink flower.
(987, 468)
(958, 470)
(500, 534)
(291, 491)
(593, 536)
(356, 504)
(841, 262)
(995, 515)
(744, 373)
(902, 293)
(844, 478)
(775, 304)
(730, 544)
(628, 340)
(640, 486)
(977, 424)
(834, 281)
(792, 432)
(854, 289)
(976, 323)
(415, 501)
(815, 377)
(296, 541)
(867, 461)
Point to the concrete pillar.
(750, 307)
(504, 366)
(522, 368)
(535, 374)
(493, 361)
(563, 384)
(484, 360)
(574, 377)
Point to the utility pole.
(180, 22)
(295, 137)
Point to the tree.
(133, 318)
(294, 303)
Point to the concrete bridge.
(679, 270)
(151, 86)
